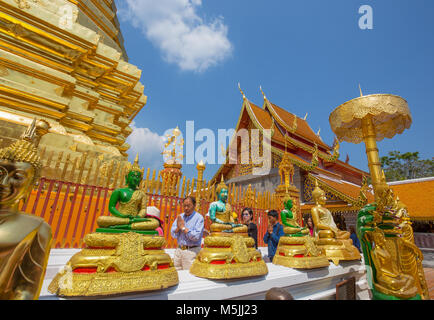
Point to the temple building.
(309, 158)
(65, 62)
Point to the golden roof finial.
(239, 87)
(305, 116)
(361, 94)
(260, 88)
(319, 130)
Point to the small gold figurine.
(25, 240)
(336, 243)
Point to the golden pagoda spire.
(361, 94)
(305, 116)
(239, 87)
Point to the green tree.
(402, 166)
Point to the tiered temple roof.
(341, 181)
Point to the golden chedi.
(124, 255)
(336, 243)
(25, 240)
(297, 249)
(228, 251)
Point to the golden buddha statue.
(390, 278)
(25, 240)
(296, 249)
(124, 255)
(336, 243)
(228, 251)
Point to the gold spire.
(305, 116)
(221, 185)
(239, 87)
(361, 94)
(260, 88)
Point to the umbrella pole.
(369, 137)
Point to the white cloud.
(148, 144)
(175, 27)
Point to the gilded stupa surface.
(64, 62)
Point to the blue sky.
(309, 56)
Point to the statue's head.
(222, 191)
(134, 175)
(288, 202)
(133, 179)
(318, 194)
(20, 165)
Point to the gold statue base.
(116, 264)
(228, 256)
(300, 253)
(337, 249)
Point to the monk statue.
(130, 215)
(25, 240)
(296, 249)
(288, 218)
(336, 243)
(221, 215)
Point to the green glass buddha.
(220, 213)
(128, 207)
(292, 227)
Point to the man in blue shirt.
(353, 236)
(188, 230)
(273, 234)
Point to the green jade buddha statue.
(220, 213)
(128, 208)
(291, 229)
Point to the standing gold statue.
(393, 262)
(336, 243)
(25, 240)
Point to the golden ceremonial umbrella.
(370, 119)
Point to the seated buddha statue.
(337, 243)
(297, 249)
(228, 251)
(124, 255)
(289, 220)
(220, 213)
(25, 240)
(130, 215)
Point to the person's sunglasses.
(246, 214)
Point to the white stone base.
(315, 284)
